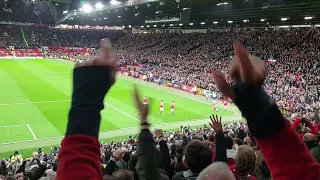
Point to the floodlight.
(114, 2)
(87, 8)
(99, 5)
(308, 18)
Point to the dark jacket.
(148, 160)
(315, 151)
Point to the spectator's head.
(211, 138)
(245, 159)
(179, 149)
(306, 130)
(313, 145)
(262, 171)
(51, 175)
(309, 137)
(248, 141)
(216, 171)
(238, 141)
(173, 148)
(122, 175)
(197, 156)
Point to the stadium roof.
(251, 13)
(184, 13)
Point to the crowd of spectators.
(292, 80)
(293, 76)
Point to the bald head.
(309, 137)
(306, 130)
(216, 171)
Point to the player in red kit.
(172, 108)
(161, 107)
(214, 108)
(145, 100)
(225, 104)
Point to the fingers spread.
(137, 96)
(234, 69)
(223, 86)
(245, 65)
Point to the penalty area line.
(34, 136)
(113, 131)
(122, 112)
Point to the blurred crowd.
(292, 81)
(178, 152)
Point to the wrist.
(144, 125)
(90, 85)
(113, 158)
(161, 138)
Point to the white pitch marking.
(34, 136)
(37, 102)
(120, 129)
(16, 125)
(122, 112)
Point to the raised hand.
(103, 60)
(250, 70)
(158, 133)
(215, 122)
(119, 153)
(142, 108)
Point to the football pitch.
(35, 99)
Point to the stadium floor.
(35, 99)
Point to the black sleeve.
(39, 172)
(90, 85)
(22, 167)
(165, 157)
(148, 168)
(261, 112)
(110, 167)
(221, 151)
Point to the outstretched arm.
(278, 141)
(79, 157)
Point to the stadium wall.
(20, 57)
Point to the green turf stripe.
(22, 113)
(112, 119)
(37, 90)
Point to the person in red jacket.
(79, 157)
(279, 143)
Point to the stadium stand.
(293, 81)
(279, 140)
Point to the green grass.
(37, 92)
